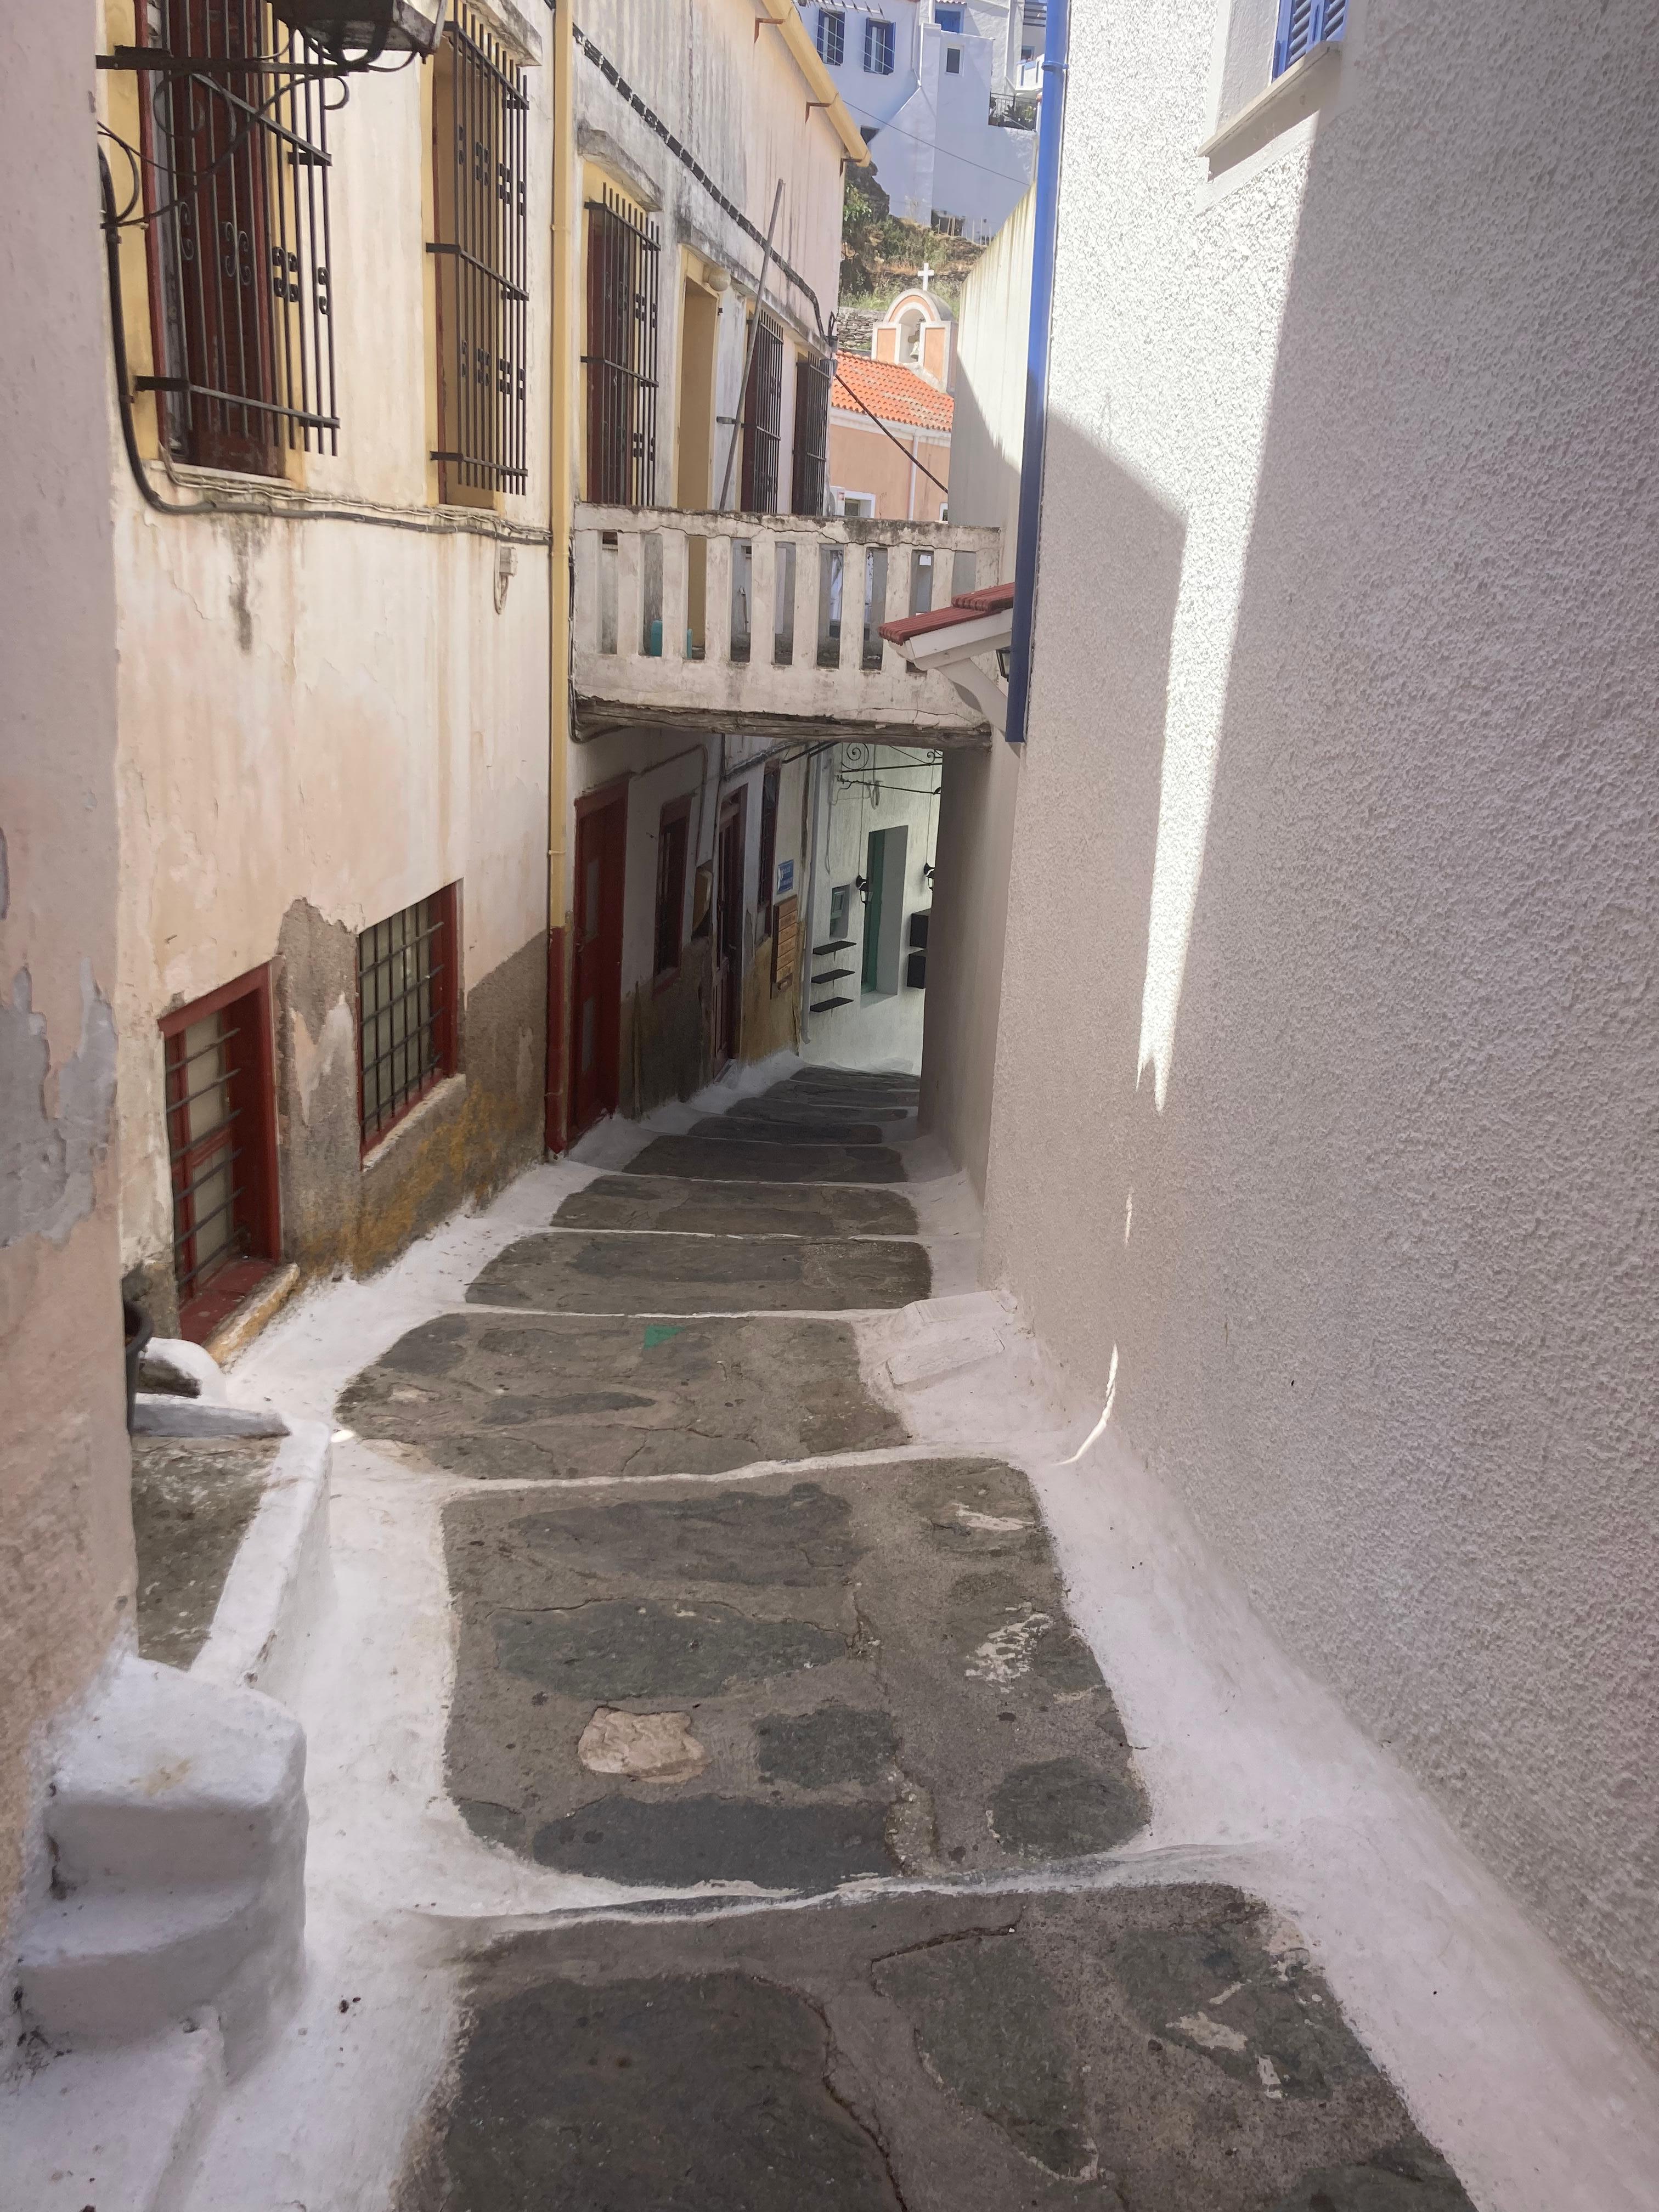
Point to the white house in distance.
(946, 97)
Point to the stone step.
(118, 2128)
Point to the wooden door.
(728, 932)
(596, 959)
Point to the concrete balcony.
(735, 622)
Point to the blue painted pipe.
(1056, 49)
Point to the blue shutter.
(1302, 24)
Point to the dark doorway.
(596, 992)
(728, 932)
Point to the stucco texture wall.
(978, 789)
(1327, 1073)
(66, 1564)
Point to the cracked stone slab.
(729, 1159)
(874, 1665)
(540, 1397)
(737, 1209)
(669, 1274)
(797, 1130)
(193, 1498)
(1135, 2050)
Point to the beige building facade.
(336, 704)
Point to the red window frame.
(444, 983)
(673, 868)
(248, 1135)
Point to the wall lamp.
(355, 33)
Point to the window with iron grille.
(1304, 25)
(621, 359)
(233, 137)
(809, 476)
(673, 843)
(480, 176)
(221, 1154)
(878, 48)
(832, 36)
(762, 418)
(408, 995)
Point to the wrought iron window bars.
(483, 255)
(620, 359)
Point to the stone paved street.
(726, 1636)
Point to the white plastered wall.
(1328, 1079)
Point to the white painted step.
(118, 2129)
(178, 1829)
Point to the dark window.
(832, 36)
(673, 841)
(768, 851)
(949, 19)
(479, 181)
(221, 1148)
(810, 482)
(407, 994)
(235, 167)
(878, 48)
(622, 354)
(953, 61)
(762, 419)
(1304, 24)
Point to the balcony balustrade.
(766, 624)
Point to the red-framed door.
(601, 859)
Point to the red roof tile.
(895, 393)
(972, 606)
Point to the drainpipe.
(560, 465)
(1046, 223)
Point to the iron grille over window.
(762, 418)
(832, 36)
(407, 996)
(878, 48)
(234, 133)
(811, 477)
(220, 1148)
(622, 354)
(673, 833)
(480, 179)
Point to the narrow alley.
(744, 1623)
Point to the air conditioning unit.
(364, 29)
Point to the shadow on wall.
(1080, 889)
(1382, 1269)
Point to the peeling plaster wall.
(323, 721)
(978, 789)
(1328, 1080)
(66, 1564)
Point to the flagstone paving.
(536, 1397)
(854, 1686)
(1165, 2048)
(793, 1682)
(731, 1159)
(737, 1209)
(788, 1129)
(668, 1274)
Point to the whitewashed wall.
(1328, 1079)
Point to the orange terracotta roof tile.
(895, 393)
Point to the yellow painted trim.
(563, 346)
(820, 83)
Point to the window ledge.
(1268, 106)
(448, 1092)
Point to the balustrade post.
(630, 596)
(763, 599)
(717, 601)
(900, 560)
(585, 618)
(674, 613)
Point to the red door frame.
(596, 953)
(254, 1102)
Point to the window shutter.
(1302, 24)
